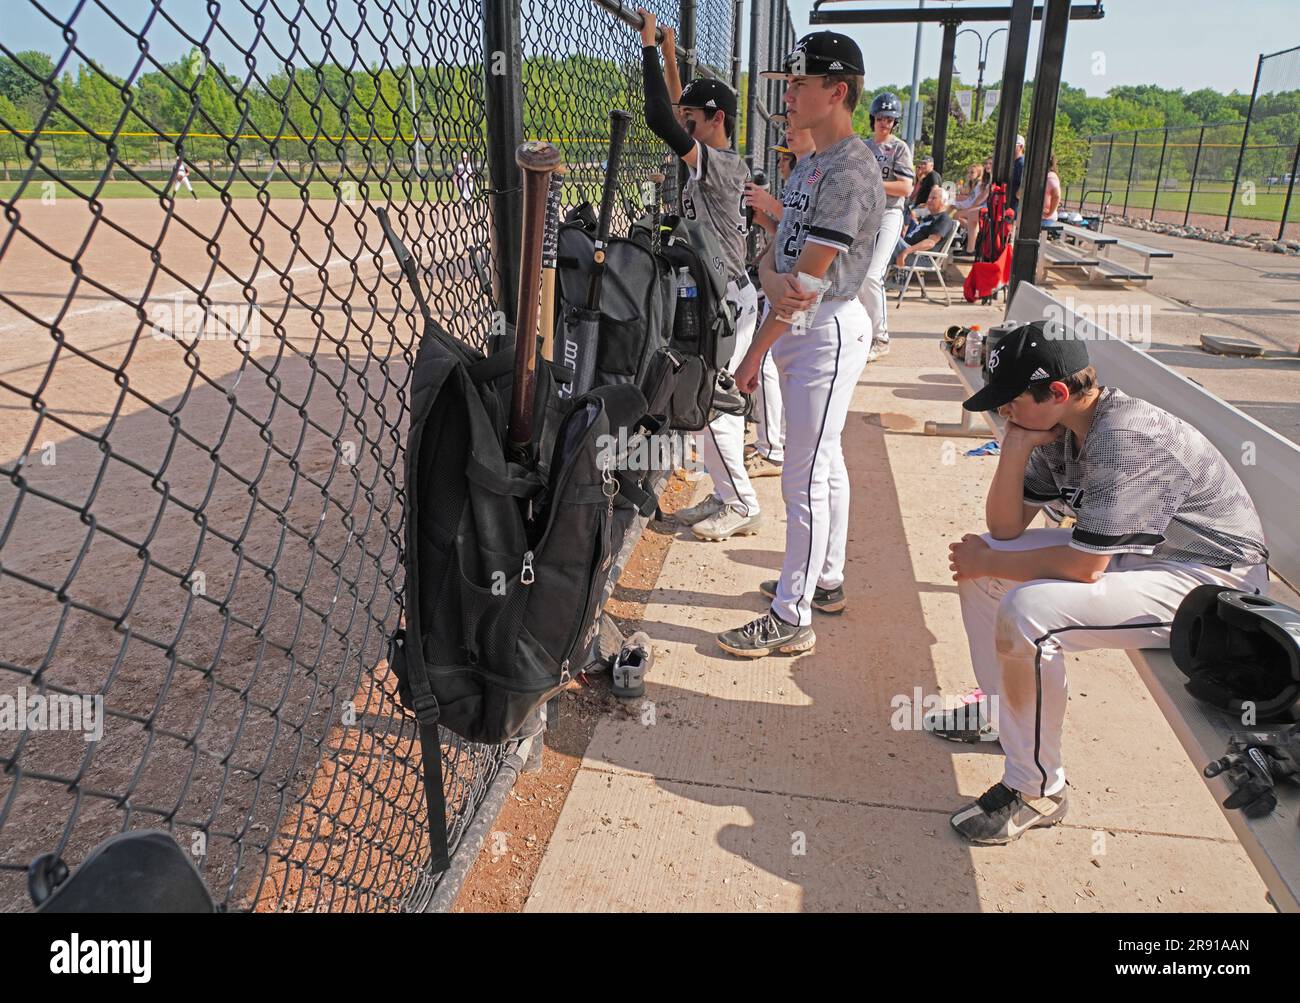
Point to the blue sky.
(1175, 43)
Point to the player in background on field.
(181, 172)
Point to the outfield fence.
(206, 398)
(1236, 175)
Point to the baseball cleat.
(824, 600)
(879, 349)
(766, 635)
(758, 465)
(966, 722)
(1001, 815)
(729, 521)
(696, 513)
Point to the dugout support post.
(944, 96)
(1038, 141)
(1013, 83)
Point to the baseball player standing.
(183, 178)
(765, 457)
(897, 175)
(713, 192)
(1158, 512)
(832, 210)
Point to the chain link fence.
(1230, 175)
(206, 389)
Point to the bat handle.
(538, 162)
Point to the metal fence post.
(1105, 178)
(1132, 160)
(504, 131)
(1241, 153)
(751, 91)
(1290, 188)
(737, 13)
(1191, 184)
(1160, 171)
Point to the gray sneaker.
(824, 600)
(766, 635)
(727, 522)
(696, 513)
(1001, 815)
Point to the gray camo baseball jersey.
(715, 192)
(895, 159)
(1147, 482)
(834, 197)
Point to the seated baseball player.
(1158, 512)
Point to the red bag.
(996, 224)
(987, 277)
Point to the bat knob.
(535, 155)
(760, 178)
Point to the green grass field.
(435, 190)
(1210, 200)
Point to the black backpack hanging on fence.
(505, 565)
(635, 302)
(702, 331)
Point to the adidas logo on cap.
(1040, 374)
(837, 65)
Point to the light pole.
(977, 109)
(410, 70)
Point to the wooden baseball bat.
(550, 251)
(538, 162)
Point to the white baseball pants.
(873, 287)
(1019, 633)
(770, 430)
(722, 443)
(819, 372)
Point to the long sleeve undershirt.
(658, 109)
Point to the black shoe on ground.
(824, 600)
(767, 635)
(1001, 815)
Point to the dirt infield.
(201, 529)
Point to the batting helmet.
(886, 105)
(1237, 648)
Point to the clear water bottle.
(687, 322)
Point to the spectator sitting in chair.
(927, 179)
(967, 210)
(931, 233)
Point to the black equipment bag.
(636, 302)
(505, 563)
(1238, 648)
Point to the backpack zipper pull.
(526, 577)
(564, 671)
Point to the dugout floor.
(781, 785)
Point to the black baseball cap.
(711, 95)
(820, 54)
(1033, 355)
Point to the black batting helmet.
(886, 105)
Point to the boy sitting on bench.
(1158, 512)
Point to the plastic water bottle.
(687, 322)
(974, 347)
